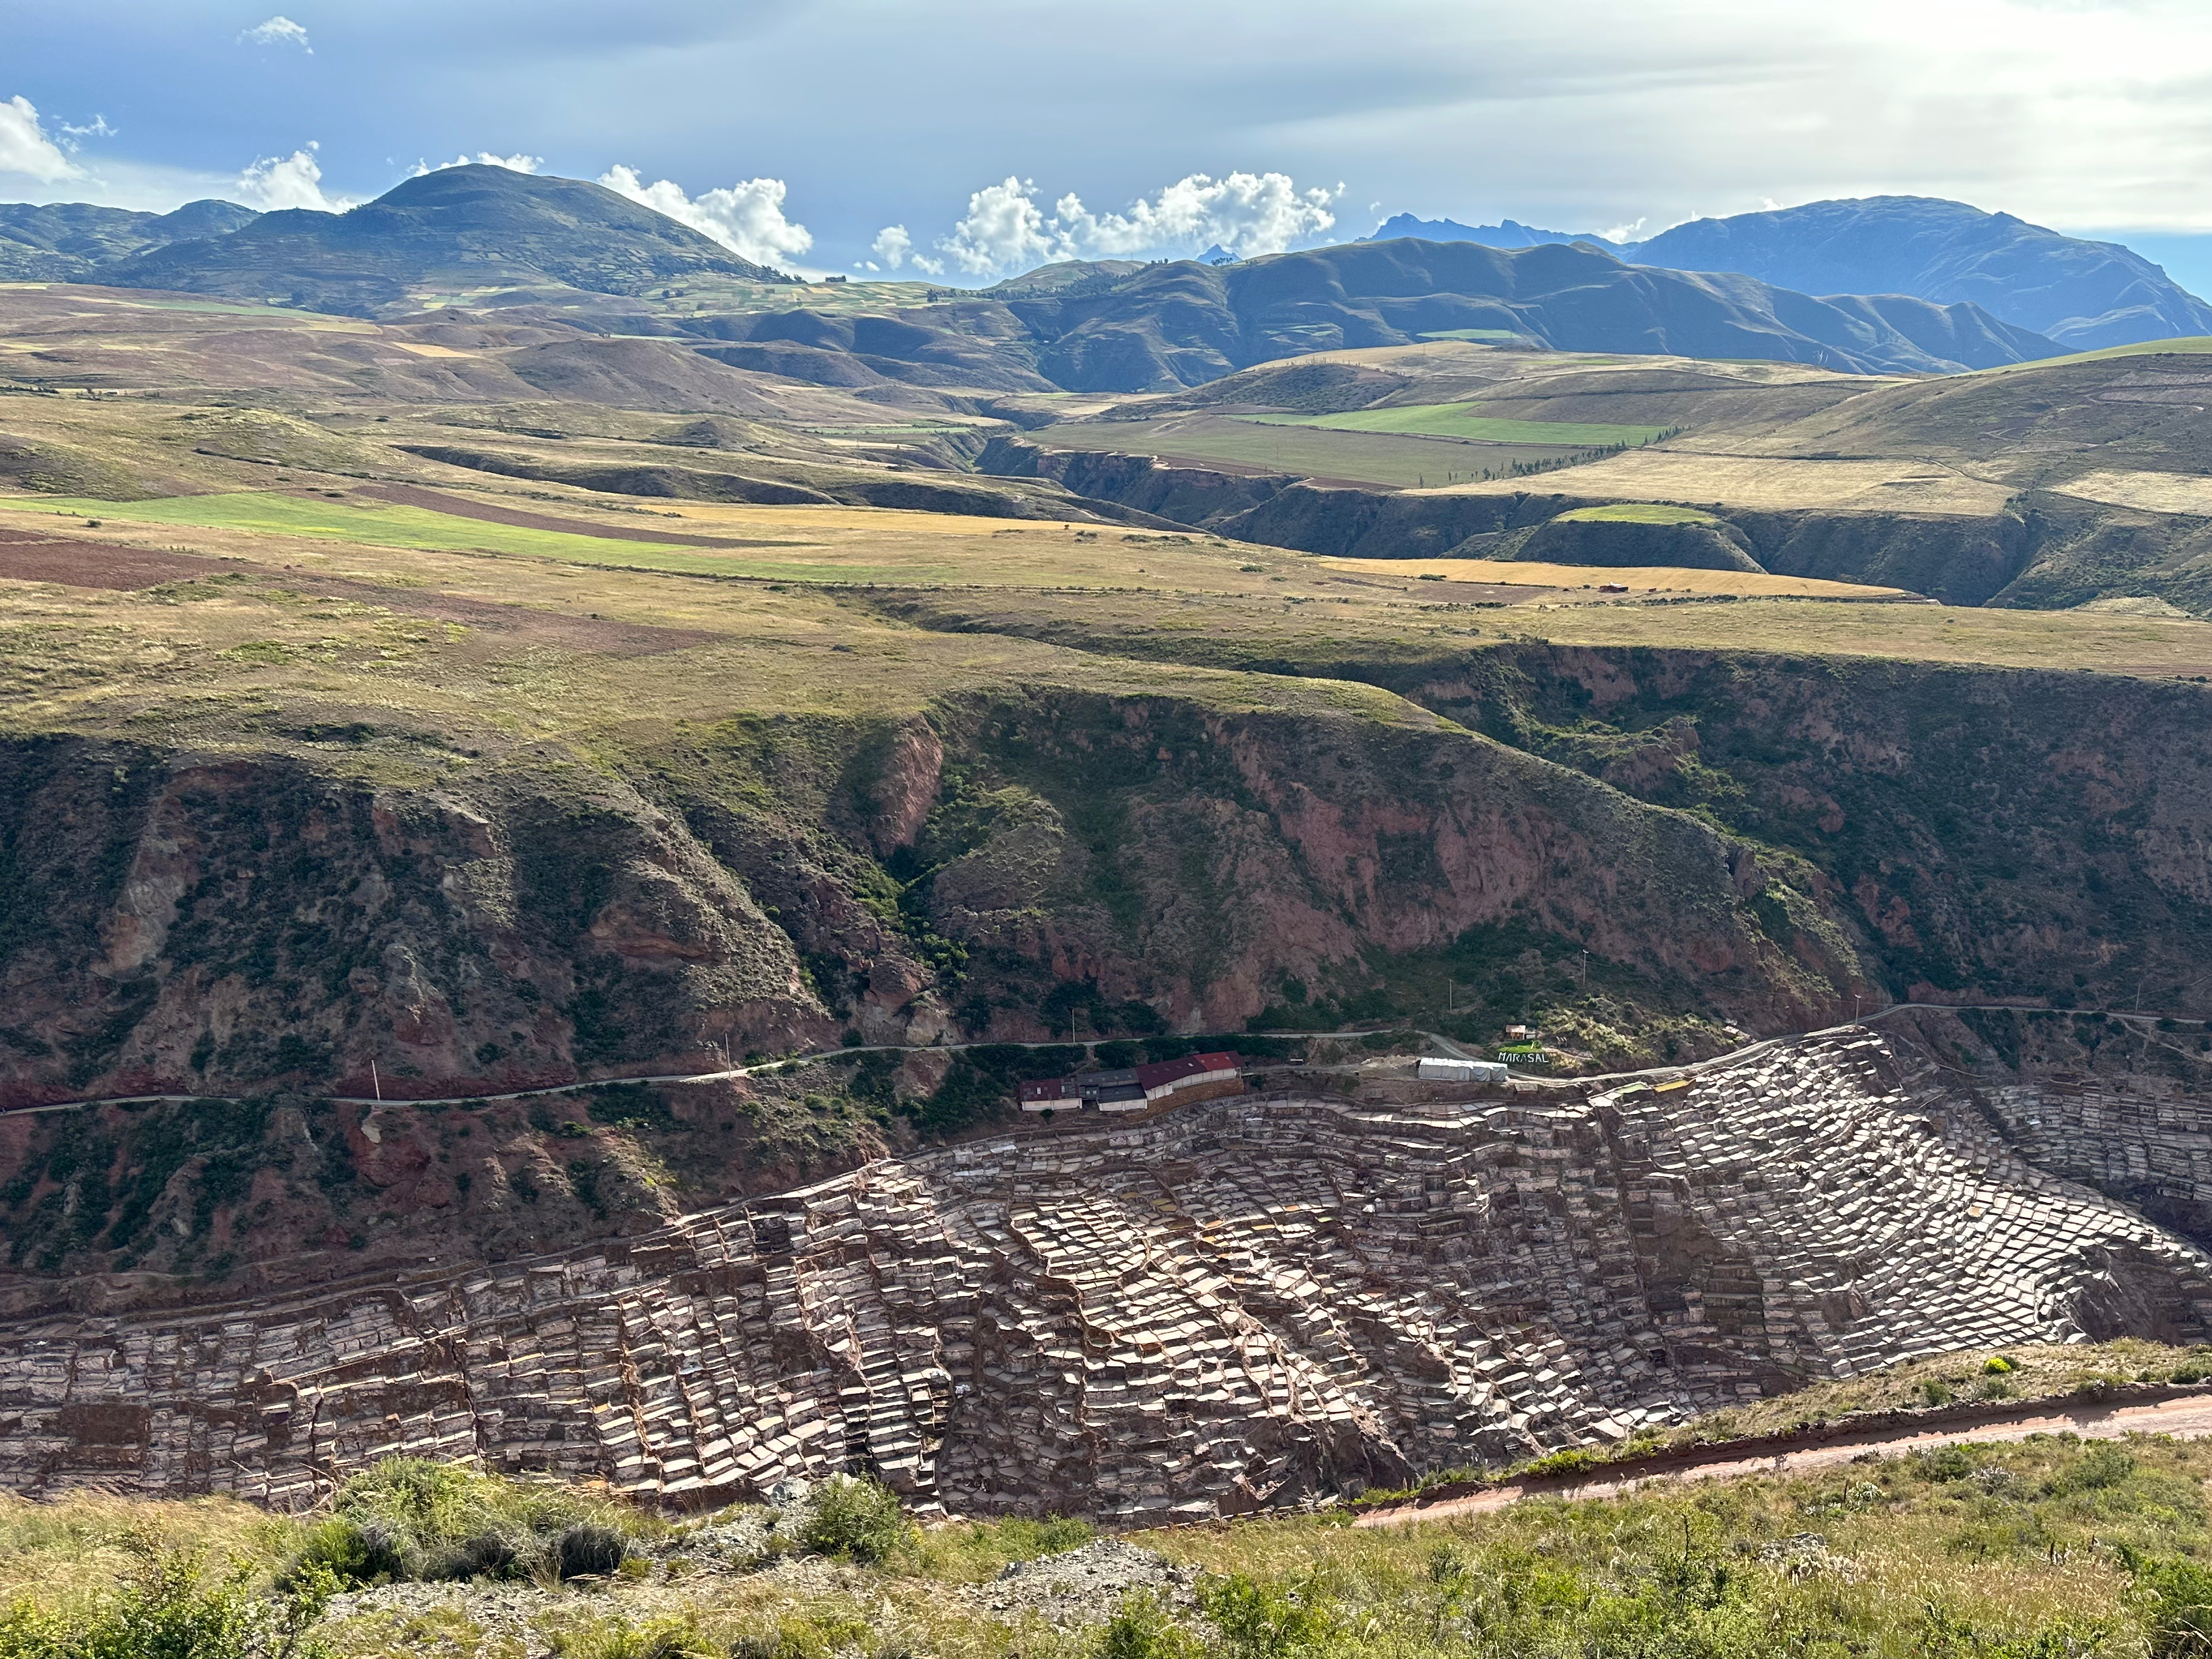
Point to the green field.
(1468, 334)
(381, 526)
(1636, 512)
(1460, 421)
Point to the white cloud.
(25, 148)
(1004, 231)
(895, 249)
(1247, 213)
(278, 31)
(96, 128)
(288, 181)
(747, 218)
(484, 158)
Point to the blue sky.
(977, 136)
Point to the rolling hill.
(469, 230)
(67, 241)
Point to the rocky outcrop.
(1706, 544)
(1237, 1305)
(1190, 859)
(1997, 833)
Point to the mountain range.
(1114, 326)
(2083, 294)
(1892, 284)
(69, 242)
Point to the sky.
(962, 140)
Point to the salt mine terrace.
(1247, 1303)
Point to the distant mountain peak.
(1506, 233)
(2082, 294)
(471, 226)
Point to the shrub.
(409, 1518)
(588, 1550)
(1946, 1463)
(1143, 1628)
(1573, 1461)
(167, 1609)
(661, 1639)
(1265, 1621)
(855, 1520)
(1933, 1393)
(1996, 1366)
(488, 1553)
(2098, 1468)
(354, 1554)
(2178, 1618)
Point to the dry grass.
(2152, 492)
(318, 631)
(1642, 580)
(1676, 474)
(74, 1545)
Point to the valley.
(556, 784)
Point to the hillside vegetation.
(2049, 1546)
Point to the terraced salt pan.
(1235, 1306)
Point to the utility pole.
(375, 1082)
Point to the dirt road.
(2188, 1418)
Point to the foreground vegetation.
(2052, 1549)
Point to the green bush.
(588, 1550)
(1946, 1463)
(855, 1520)
(1266, 1621)
(1996, 1366)
(167, 1609)
(354, 1554)
(661, 1639)
(1573, 1461)
(2097, 1469)
(2178, 1616)
(1142, 1627)
(489, 1554)
(408, 1518)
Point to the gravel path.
(2188, 1418)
